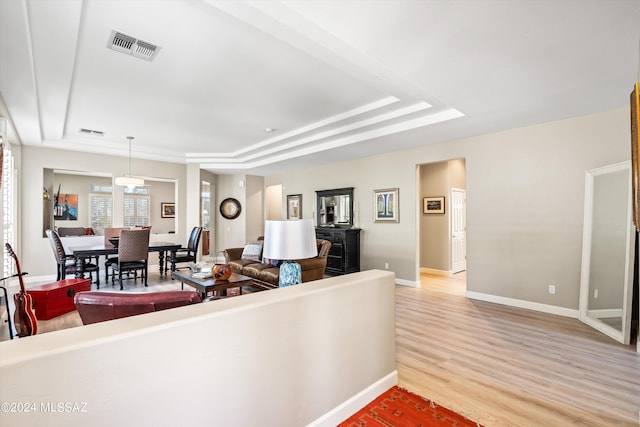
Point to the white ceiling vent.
(132, 46)
(91, 132)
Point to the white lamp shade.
(290, 240)
(129, 181)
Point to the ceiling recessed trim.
(305, 129)
(332, 132)
(431, 119)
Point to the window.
(8, 205)
(136, 207)
(205, 197)
(100, 207)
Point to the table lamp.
(289, 241)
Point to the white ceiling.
(335, 79)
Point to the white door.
(458, 230)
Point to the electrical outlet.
(386, 265)
(552, 289)
(595, 293)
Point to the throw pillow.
(252, 251)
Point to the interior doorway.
(273, 202)
(458, 230)
(442, 233)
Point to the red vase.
(221, 271)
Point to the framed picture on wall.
(294, 206)
(433, 205)
(385, 205)
(65, 207)
(167, 210)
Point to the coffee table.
(204, 286)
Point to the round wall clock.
(230, 208)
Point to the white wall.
(249, 191)
(525, 194)
(285, 357)
(230, 233)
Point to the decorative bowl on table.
(221, 271)
(114, 241)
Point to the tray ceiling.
(328, 79)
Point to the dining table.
(83, 252)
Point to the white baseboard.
(409, 283)
(436, 272)
(544, 308)
(356, 402)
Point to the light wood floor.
(504, 366)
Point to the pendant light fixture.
(128, 180)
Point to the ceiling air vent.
(132, 46)
(91, 132)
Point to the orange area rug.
(398, 407)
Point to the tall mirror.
(607, 252)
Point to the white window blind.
(100, 211)
(136, 211)
(9, 206)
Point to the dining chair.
(133, 254)
(66, 263)
(188, 254)
(110, 233)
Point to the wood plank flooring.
(505, 366)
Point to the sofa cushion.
(255, 269)
(252, 251)
(97, 306)
(270, 275)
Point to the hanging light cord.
(129, 138)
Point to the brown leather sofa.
(312, 268)
(95, 307)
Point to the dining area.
(121, 253)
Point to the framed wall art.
(167, 210)
(433, 205)
(385, 205)
(294, 206)
(65, 207)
